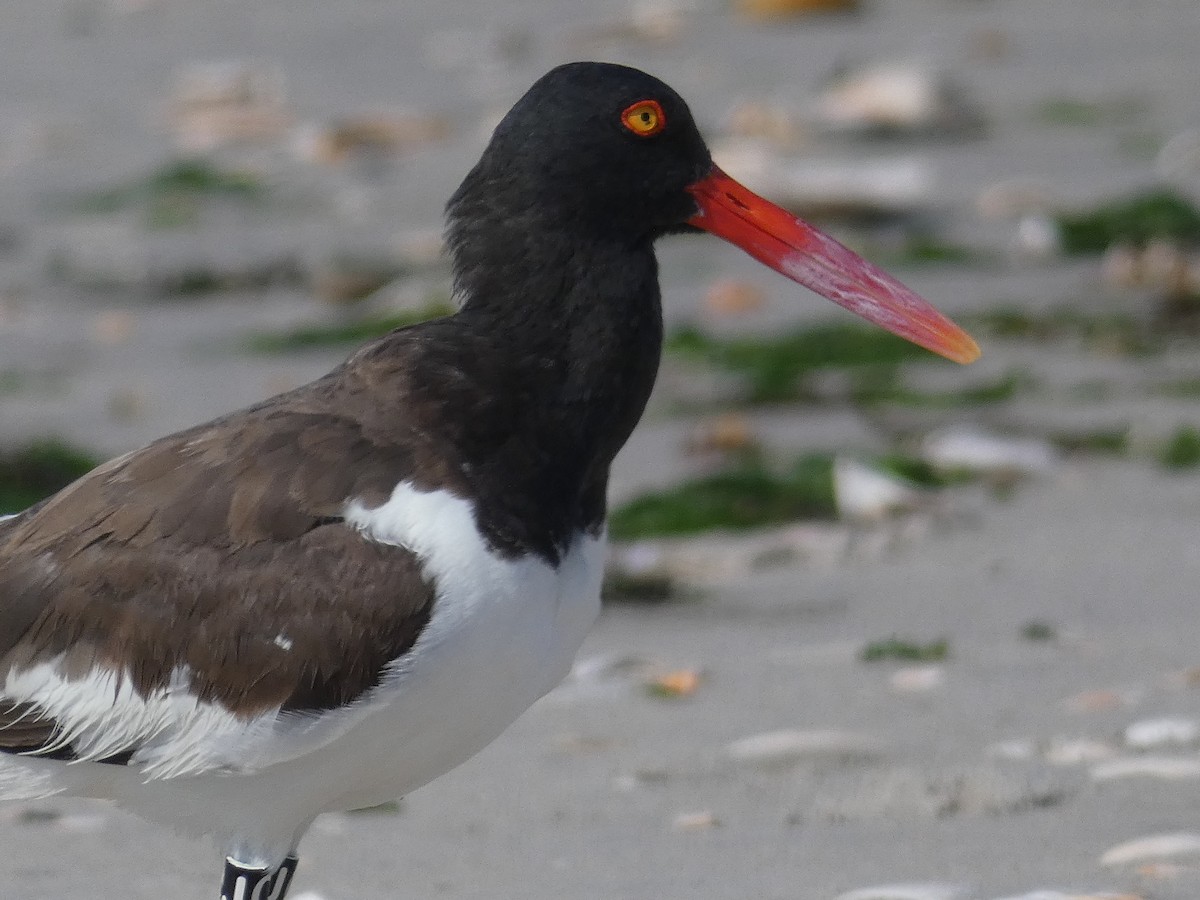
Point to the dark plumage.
(257, 578)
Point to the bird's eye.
(644, 118)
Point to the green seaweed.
(747, 496)
(310, 337)
(923, 249)
(36, 470)
(1101, 442)
(171, 195)
(1182, 449)
(1158, 213)
(877, 391)
(904, 650)
(12, 381)
(1039, 631)
(775, 366)
(1110, 332)
(921, 472)
(181, 177)
(1182, 387)
(1076, 112)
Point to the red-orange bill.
(800, 252)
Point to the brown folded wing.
(218, 555)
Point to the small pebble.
(695, 821)
(1014, 750)
(865, 494)
(1121, 266)
(113, 326)
(897, 97)
(1098, 701)
(1150, 734)
(1075, 751)
(1038, 236)
(377, 135)
(721, 558)
(1015, 198)
(213, 104)
(609, 667)
(978, 451)
(1180, 156)
(420, 248)
(774, 749)
(1152, 847)
(679, 683)
(605, 676)
(1169, 768)
(897, 186)
(1161, 265)
(728, 433)
(1161, 871)
(903, 794)
(764, 10)
(917, 679)
(730, 297)
(626, 784)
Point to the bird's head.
(603, 150)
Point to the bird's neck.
(580, 326)
(582, 329)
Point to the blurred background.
(205, 203)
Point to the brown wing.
(221, 550)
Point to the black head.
(598, 156)
(593, 148)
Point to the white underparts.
(502, 633)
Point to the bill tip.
(964, 351)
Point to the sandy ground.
(993, 774)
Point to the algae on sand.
(1156, 214)
(775, 366)
(310, 337)
(38, 469)
(746, 496)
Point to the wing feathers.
(205, 582)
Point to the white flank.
(502, 633)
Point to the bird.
(328, 599)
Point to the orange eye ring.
(644, 118)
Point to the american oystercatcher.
(331, 598)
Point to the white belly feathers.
(501, 634)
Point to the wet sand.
(982, 776)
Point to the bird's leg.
(243, 882)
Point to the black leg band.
(242, 882)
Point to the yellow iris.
(644, 118)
